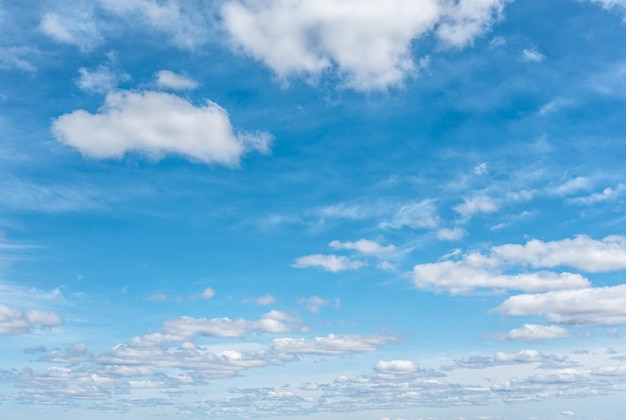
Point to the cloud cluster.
(366, 43)
(156, 124)
(15, 321)
(488, 270)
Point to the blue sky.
(312, 209)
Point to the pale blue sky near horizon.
(312, 209)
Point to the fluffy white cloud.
(15, 321)
(451, 234)
(156, 124)
(170, 80)
(475, 205)
(101, 80)
(582, 253)
(593, 306)
(368, 43)
(76, 29)
(330, 262)
(396, 367)
(331, 344)
(364, 246)
(461, 277)
(534, 332)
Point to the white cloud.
(582, 252)
(481, 169)
(606, 195)
(207, 293)
(462, 277)
(16, 58)
(532, 55)
(396, 367)
(420, 215)
(331, 344)
(593, 306)
(157, 124)
(475, 205)
(314, 303)
(101, 80)
(169, 80)
(15, 321)
(366, 42)
(610, 4)
(364, 246)
(451, 234)
(185, 22)
(76, 29)
(572, 186)
(534, 332)
(330, 262)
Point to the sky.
(312, 209)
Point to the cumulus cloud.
(330, 262)
(331, 344)
(534, 332)
(581, 252)
(15, 321)
(156, 124)
(593, 306)
(367, 43)
(184, 328)
(364, 246)
(476, 205)
(461, 277)
(207, 293)
(100, 80)
(396, 367)
(170, 80)
(74, 28)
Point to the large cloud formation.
(367, 42)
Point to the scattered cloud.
(582, 252)
(331, 344)
(461, 277)
(591, 306)
(532, 55)
(607, 194)
(156, 124)
(170, 80)
(572, 186)
(451, 234)
(264, 300)
(102, 79)
(420, 215)
(363, 246)
(207, 293)
(157, 297)
(16, 321)
(476, 205)
(369, 50)
(534, 332)
(481, 169)
(17, 58)
(77, 28)
(314, 303)
(330, 262)
(186, 22)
